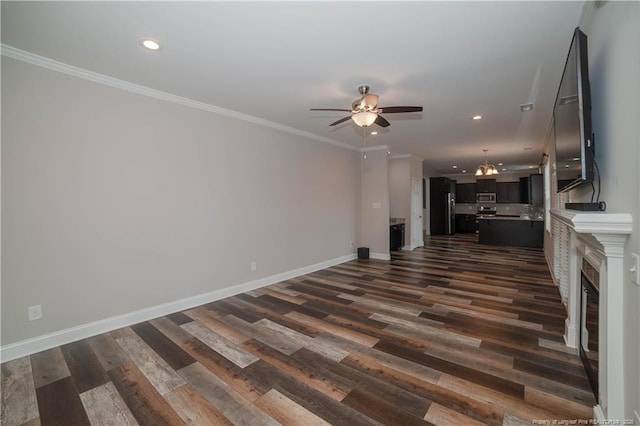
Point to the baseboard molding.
(599, 415)
(62, 337)
(380, 256)
(413, 247)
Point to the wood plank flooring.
(454, 333)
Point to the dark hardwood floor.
(454, 333)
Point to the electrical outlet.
(254, 266)
(34, 312)
(635, 268)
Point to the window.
(547, 196)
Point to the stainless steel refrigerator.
(442, 198)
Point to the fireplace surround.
(599, 239)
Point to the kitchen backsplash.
(472, 208)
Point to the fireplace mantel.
(599, 238)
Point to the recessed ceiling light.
(504, 170)
(526, 107)
(374, 133)
(150, 44)
(576, 159)
(528, 148)
(500, 164)
(477, 117)
(531, 167)
(464, 171)
(455, 167)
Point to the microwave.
(486, 197)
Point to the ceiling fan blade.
(395, 109)
(342, 120)
(329, 109)
(381, 121)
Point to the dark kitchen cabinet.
(524, 190)
(442, 196)
(396, 237)
(532, 190)
(508, 192)
(466, 192)
(486, 185)
(516, 233)
(536, 190)
(465, 223)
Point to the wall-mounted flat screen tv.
(572, 119)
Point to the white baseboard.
(415, 246)
(380, 256)
(62, 337)
(599, 415)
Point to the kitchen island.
(510, 231)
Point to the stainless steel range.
(484, 211)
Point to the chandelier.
(486, 169)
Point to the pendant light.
(486, 169)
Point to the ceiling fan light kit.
(486, 169)
(364, 118)
(365, 111)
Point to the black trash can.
(363, 252)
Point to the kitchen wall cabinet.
(508, 192)
(486, 185)
(466, 192)
(536, 190)
(532, 190)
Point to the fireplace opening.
(590, 297)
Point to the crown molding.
(61, 67)
(374, 148)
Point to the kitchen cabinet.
(532, 190)
(466, 193)
(442, 196)
(511, 232)
(536, 190)
(486, 185)
(508, 192)
(465, 223)
(396, 237)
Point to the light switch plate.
(377, 205)
(635, 268)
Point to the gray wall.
(400, 188)
(613, 31)
(114, 202)
(374, 214)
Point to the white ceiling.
(275, 60)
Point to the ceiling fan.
(365, 110)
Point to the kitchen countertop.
(396, 221)
(526, 219)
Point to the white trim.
(62, 337)
(599, 238)
(374, 148)
(61, 67)
(400, 156)
(595, 222)
(380, 256)
(599, 415)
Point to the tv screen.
(572, 119)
